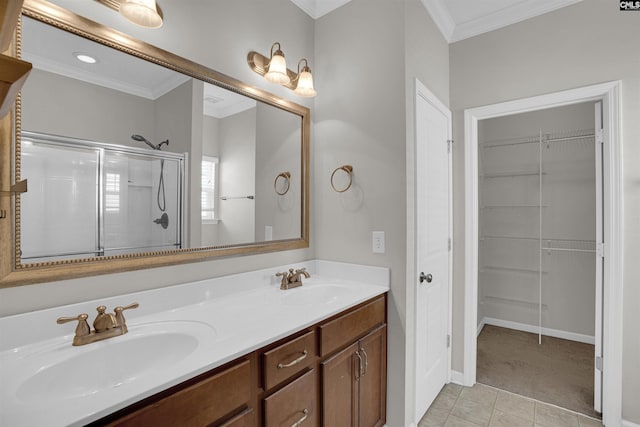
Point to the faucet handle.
(127, 307)
(120, 320)
(285, 279)
(82, 329)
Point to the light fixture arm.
(301, 70)
(277, 52)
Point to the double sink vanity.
(229, 351)
(299, 345)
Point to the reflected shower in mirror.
(126, 156)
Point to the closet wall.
(513, 210)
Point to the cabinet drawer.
(348, 328)
(197, 405)
(288, 359)
(245, 419)
(293, 403)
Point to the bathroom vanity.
(230, 351)
(333, 373)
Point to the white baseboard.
(572, 336)
(457, 377)
(481, 325)
(626, 423)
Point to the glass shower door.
(142, 203)
(59, 215)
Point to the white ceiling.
(461, 19)
(52, 50)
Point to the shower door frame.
(609, 94)
(101, 147)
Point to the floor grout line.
(458, 397)
(536, 401)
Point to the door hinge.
(449, 244)
(449, 144)
(600, 136)
(599, 363)
(600, 250)
(448, 341)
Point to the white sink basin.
(316, 294)
(111, 363)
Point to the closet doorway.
(539, 273)
(609, 176)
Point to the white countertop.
(225, 318)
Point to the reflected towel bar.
(237, 197)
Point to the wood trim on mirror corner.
(13, 273)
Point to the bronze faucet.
(292, 279)
(106, 325)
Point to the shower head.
(141, 138)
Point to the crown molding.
(441, 16)
(507, 16)
(45, 64)
(318, 8)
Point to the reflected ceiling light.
(86, 58)
(277, 68)
(141, 12)
(274, 69)
(304, 87)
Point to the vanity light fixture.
(274, 69)
(141, 12)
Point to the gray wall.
(278, 150)
(237, 178)
(57, 105)
(368, 54)
(583, 44)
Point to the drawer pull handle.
(366, 363)
(301, 420)
(293, 362)
(359, 369)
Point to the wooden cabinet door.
(339, 388)
(372, 380)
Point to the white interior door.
(597, 383)
(433, 184)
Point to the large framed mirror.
(138, 158)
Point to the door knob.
(425, 277)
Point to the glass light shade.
(141, 12)
(277, 70)
(305, 85)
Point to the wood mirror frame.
(14, 273)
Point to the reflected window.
(112, 192)
(209, 189)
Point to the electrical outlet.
(378, 242)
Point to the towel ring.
(345, 168)
(287, 177)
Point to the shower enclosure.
(93, 199)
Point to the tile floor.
(480, 405)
